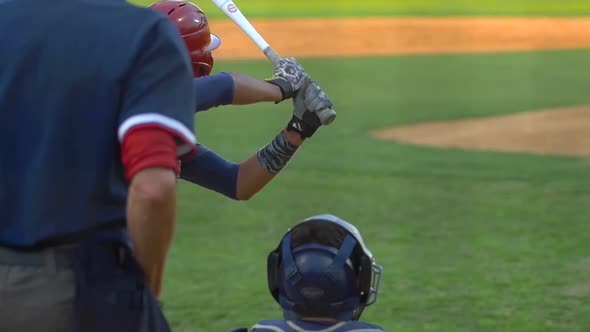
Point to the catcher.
(323, 276)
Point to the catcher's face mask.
(317, 279)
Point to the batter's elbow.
(245, 195)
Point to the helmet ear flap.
(369, 279)
(201, 69)
(364, 277)
(365, 284)
(202, 64)
(273, 261)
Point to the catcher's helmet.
(194, 29)
(312, 279)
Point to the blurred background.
(492, 236)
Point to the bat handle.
(327, 115)
(272, 55)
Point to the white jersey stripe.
(156, 118)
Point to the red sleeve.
(148, 147)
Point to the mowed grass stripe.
(314, 8)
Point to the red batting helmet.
(194, 29)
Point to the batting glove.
(285, 87)
(291, 71)
(306, 103)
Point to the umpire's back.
(63, 66)
(95, 98)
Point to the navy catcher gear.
(313, 279)
(298, 326)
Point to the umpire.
(96, 108)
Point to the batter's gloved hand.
(285, 87)
(315, 99)
(288, 70)
(306, 104)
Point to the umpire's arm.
(155, 130)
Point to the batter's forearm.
(256, 172)
(151, 218)
(244, 180)
(293, 137)
(250, 90)
(251, 178)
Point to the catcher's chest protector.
(290, 326)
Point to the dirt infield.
(562, 132)
(390, 36)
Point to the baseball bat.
(230, 9)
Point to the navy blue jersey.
(206, 168)
(75, 77)
(210, 170)
(303, 326)
(212, 91)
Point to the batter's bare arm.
(238, 89)
(250, 90)
(243, 180)
(252, 176)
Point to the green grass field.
(306, 8)
(470, 241)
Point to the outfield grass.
(470, 241)
(308, 8)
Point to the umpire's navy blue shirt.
(75, 76)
